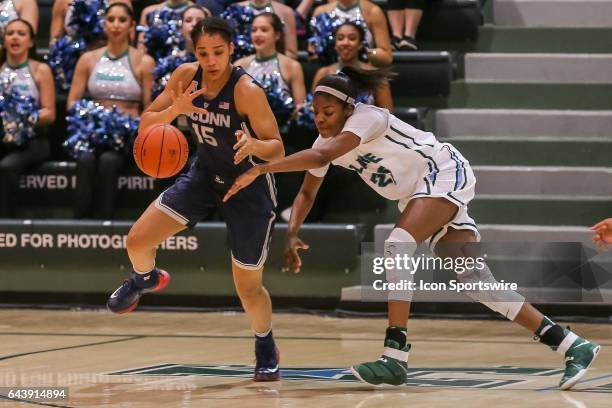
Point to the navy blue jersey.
(216, 131)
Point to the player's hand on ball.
(292, 258)
(241, 182)
(245, 146)
(603, 234)
(182, 101)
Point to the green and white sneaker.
(391, 368)
(578, 358)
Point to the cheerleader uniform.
(15, 161)
(8, 12)
(112, 79)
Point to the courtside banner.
(538, 272)
(91, 256)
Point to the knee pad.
(505, 302)
(399, 243)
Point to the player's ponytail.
(351, 82)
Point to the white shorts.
(454, 180)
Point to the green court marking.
(453, 377)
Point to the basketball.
(161, 150)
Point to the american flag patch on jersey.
(223, 105)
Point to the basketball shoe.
(126, 297)
(578, 359)
(387, 369)
(267, 358)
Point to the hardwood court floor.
(152, 359)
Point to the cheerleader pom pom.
(280, 100)
(242, 47)
(19, 115)
(87, 19)
(304, 117)
(93, 128)
(62, 59)
(240, 19)
(162, 36)
(164, 68)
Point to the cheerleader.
(270, 62)
(376, 34)
(404, 19)
(116, 75)
(62, 14)
(190, 17)
(28, 77)
(270, 66)
(286, 15)
(349, 44)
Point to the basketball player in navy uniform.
(236, 129)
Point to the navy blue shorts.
(249, 215)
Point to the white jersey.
(399, 161)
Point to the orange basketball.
(161, 150)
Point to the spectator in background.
(287, 17)
(13, 9)
(349, 43)
(377, 35)
(61, 15)
(404, 18)
(32, 78)
(114, 75)
(269, 60)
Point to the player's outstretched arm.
(301, 207)
(176, 99)
(313, 158)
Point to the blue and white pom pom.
(164, 69)
(162, 35)
(93, 128)
(87, 19)
(304, 116)
(63, 57)
(240, 18)
(280, 100)
(323, 40)
(18, 113)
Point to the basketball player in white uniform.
(433, 184)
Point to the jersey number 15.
(204, 134)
